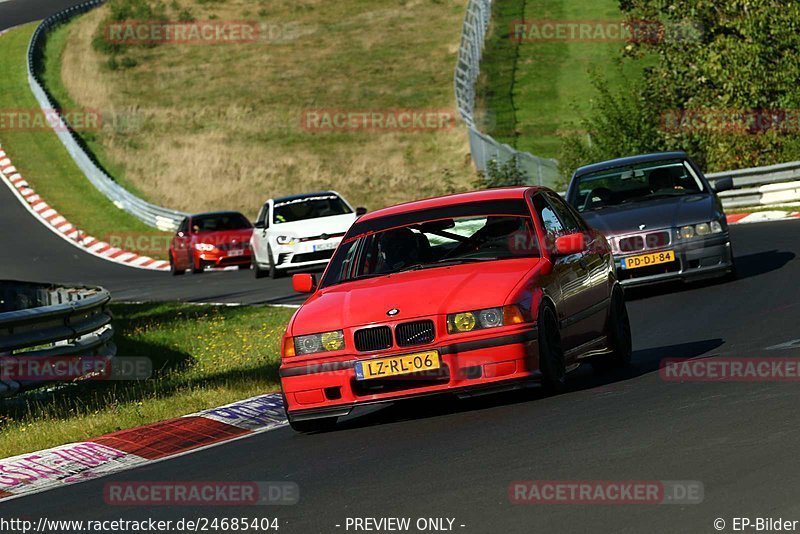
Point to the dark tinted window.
(220, 222)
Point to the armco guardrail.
(772, 185)
(483, 147)
(46, 321)
(156, 216)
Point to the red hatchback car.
(218, 239)
(475, 291)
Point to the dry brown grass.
(215, 127)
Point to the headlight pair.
(313, 343)
(485, 318)
(699, 230)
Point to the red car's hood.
(415, 293)
(226, 236)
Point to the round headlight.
(464, 322)
(687, 232)
(309, 344)
(491, 317)
(702, 229)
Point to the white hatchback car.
(299, 231)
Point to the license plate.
(397, 365)
(236, 252)
(646, 260)
(325, 246)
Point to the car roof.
(499, 193)
(630, 160)
(212, 213)
(304, 195)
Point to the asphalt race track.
(444, 458)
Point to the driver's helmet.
(397, 248)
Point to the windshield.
(431, 243)
(301, 209)
(636, 183)
(220, 222)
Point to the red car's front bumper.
(324, 387)
(222, 258)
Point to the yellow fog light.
(462, 322)
(333, 340)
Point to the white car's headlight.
(285, 240)
(204, 247)
(699, 230)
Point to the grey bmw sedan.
(661, 216)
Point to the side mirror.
(361, 211)
(181, 234)
(723, 184)
(304, 283)
(570, 244)
(260, 224)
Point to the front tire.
(551, 354)
(172, 269)
(618, 332)
(273, 270)
(257, 271)
(197, 266)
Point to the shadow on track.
(644, 361)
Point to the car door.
(180, 245)
(260, 240)
(593, 301)
(568, 275)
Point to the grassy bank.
(43, 160)
(212, 127)
(203, 356)
(535, 90)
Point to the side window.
(570, 222)
(184, 226)
(547, 215)
(262, 215)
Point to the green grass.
(44, 162)
(535, 90)
(203, 357)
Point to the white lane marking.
(793, 344)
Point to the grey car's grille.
(373, 338)
(652, 240)
(416, 333)
(631, 244)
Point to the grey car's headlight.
(285, 240)
(324, 342)
(699, 230)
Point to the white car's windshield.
(301, 209)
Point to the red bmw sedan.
(464, 293)
(218, 239)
